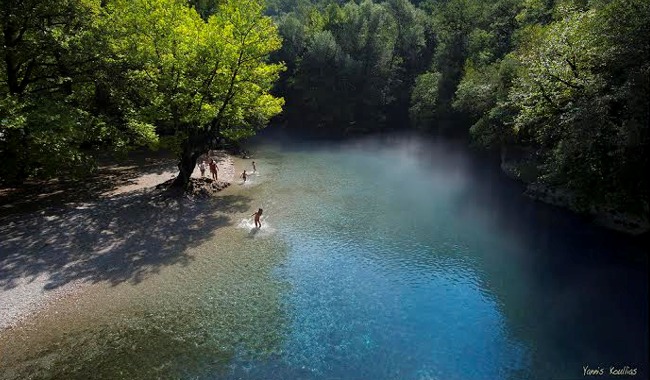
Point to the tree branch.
(28, 72)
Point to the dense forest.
(566, 82)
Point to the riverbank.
(124, 232)
(522, 166)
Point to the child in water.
(202, 168)
(254, 168)
(243, 175)
(257, 216)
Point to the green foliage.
(323, 80)
(351, 67)
(576, 89)
(206, 79)
(206, 8)
(468, 30)
(50, 117)
(558, 68)
(476, 93)
(81, 75)
(483, 94)
(536, 12)
(568, 79)
(424, 99)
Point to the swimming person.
(257, 215)
(254, 169)
(243, 175)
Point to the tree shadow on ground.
(231, 203)
(35, 193)
(112, 173)
(115, 240)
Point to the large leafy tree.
(51, 110)
(201, 81)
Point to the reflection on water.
(405, 260)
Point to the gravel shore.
(127, 233)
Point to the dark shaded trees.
(51, 109)
(564, 79)
(574, 88)
(583, 94)
(351, 67)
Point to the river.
(399, 259)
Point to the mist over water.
(416, 259)
(394, 259)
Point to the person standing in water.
(257, 216)
(243, 175)
(213, 169)
(202, 168)
(254, 168)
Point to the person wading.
(257, 216)
(213, 169)
(202, 168)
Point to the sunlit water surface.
(398, 260)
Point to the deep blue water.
(419, 260)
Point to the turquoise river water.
(376, 260)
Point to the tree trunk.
(185, 168)
(11, 73)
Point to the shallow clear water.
(400, 260)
